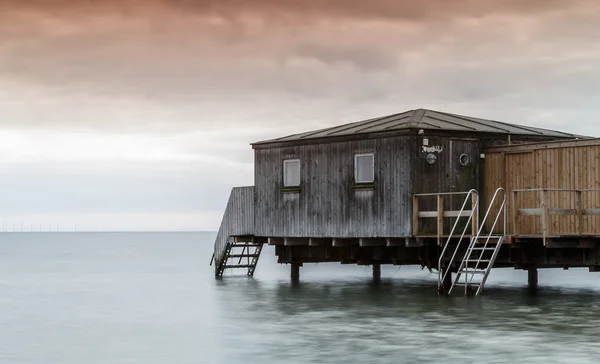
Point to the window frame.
(287, 161)
(356, 157)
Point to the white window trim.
(356, 156)
(288, 161)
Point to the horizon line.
(110, 231)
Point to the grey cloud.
(164, 67)
(364, 58)
(307, 9)
(159, 63)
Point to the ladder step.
(491, 243)
(491, 237)
(470, 284)
(238, 266)
(242, 255)
(480, 261)
(487, 248)
(244, 245)
(472, 271)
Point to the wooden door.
(464, 164)
(463, 167)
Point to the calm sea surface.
(146, 298)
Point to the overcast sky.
(137, 115)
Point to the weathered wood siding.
(328, 205)
(566, 166)
(238, 219)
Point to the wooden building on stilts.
(453, 193)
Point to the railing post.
(415, 215)
(440, 218)
(513, 212)
(475, 209)
(544, 214)
(578, 206)
(505, 213)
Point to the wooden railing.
(423, 208)
(548, 212)
(238, 219)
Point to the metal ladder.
(472, 219)
(482, 251)
(229, 256)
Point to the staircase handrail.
(490, 209)
(501, 210)
(475, 208)
(474, 240)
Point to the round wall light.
(431, 158)
(464, 159)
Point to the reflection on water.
(152, 298)
(361, 322)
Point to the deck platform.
(519, 252)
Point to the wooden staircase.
(235, 244)
(239, 255)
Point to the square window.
(364, 168)
(291, 173)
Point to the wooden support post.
(532, 279)
(446, 276)
(578, 206)
(544, 214)
(295, 272)
(415, 215)
(447, 283)
(513, 212)
(376, 271)
(440, 218)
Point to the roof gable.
(423, 119)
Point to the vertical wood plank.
(591, 197)
(572, 198)
(544, 214)
(416, 215)
(509, 187)
(513, 213)
(579, 220)
(440, 218)
(541, 172)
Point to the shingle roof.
(423, 119)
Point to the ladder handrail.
(490, 209)
(501, 210)
(472, 192)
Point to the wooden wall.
(327, 204)
(573, 165)
(238, 218)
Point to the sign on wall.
(432, 149)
